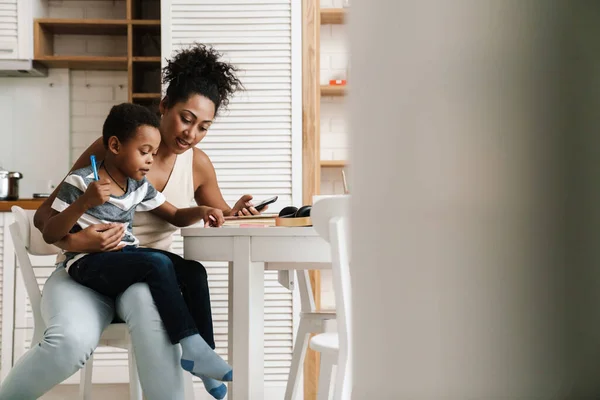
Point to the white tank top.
(154, 232)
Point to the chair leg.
(135, 389)
(85, 379)
(327, 362)
(298, 355)
(342, 381)
(188, 386)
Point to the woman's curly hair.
(198, 70)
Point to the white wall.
(335, 56)
(66, 118)
(101, 9)
(92, 93)
(34, 137)
(334, 65)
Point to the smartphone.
(266, 202)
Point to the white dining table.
(249, 252)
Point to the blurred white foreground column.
(458, 247)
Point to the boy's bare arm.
(45, 210)
(188, 216)
(59, 224)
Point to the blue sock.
(216, 389)
(198, 358)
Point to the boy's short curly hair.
(124, 119)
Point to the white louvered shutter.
(9, 29)
(256, 144)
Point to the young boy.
(131, 137)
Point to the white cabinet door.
(16, 28)
(9, 29)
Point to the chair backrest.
(27, 239)
(330, 219)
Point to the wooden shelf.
(147, 59)
(85, 62)
(62, 26)
(333, 15)
(333, 163)
(26, 204)
(145, 22)
(146, 95)
(332, 90)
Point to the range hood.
(22, 68)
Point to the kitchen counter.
(27, 204)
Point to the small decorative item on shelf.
(337, 82)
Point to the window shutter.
(255, 145)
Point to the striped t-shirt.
(140, 196)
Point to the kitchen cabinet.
(16, 28)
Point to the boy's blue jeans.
(111, 273)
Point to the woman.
(198, 85)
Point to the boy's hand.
(97, 193)
(213, 217)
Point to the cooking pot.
(9, 185)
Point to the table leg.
(247, 329)
(230, 314)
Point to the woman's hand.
(244, 206)
(96, 238)
(213, 217)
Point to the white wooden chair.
(330, 220)
(28, 240)
(311, 321)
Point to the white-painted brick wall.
(333, 3)
(92, 93)
(334, 65)
(90, 45)
(334, 133)
(93, 45)
(96, 9)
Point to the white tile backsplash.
(92, 93)
(334, 63)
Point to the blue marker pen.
(93, 160)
